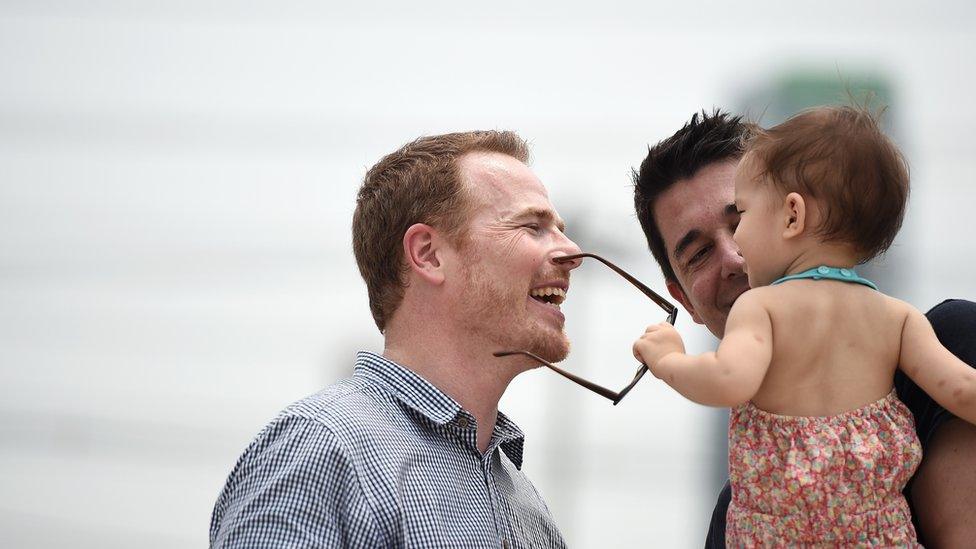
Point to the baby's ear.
(795, 215)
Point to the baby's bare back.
(835, 347)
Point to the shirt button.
(463, 422)
(845, 272)
(823, 269)
(504, 544)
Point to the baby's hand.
(658, 340)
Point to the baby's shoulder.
(763, 295)
(755, 299)
(898, 309)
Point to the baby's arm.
(945, 378)
(728, 377)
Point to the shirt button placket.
(467, 435)
(496, 504)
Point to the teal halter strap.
(830, 273)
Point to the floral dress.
(822, 481)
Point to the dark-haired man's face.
(697, 217)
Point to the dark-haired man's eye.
(698, 256)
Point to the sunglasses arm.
(602, 391)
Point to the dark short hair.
(419, 183)
(839, 156)
(704, 140)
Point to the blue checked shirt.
(382, 459)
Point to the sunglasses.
(613, 396)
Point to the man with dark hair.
(684, 199)
(455, 238)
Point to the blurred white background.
(176, 187)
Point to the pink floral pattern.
(822, 481)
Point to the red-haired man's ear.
(422, 252)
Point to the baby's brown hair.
(839, 156)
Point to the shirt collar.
(408, 387)
(511, 437)
(430, 402)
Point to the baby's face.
(759, 234)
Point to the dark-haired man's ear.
(679, 295)
(795, 210)
(421, 251)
